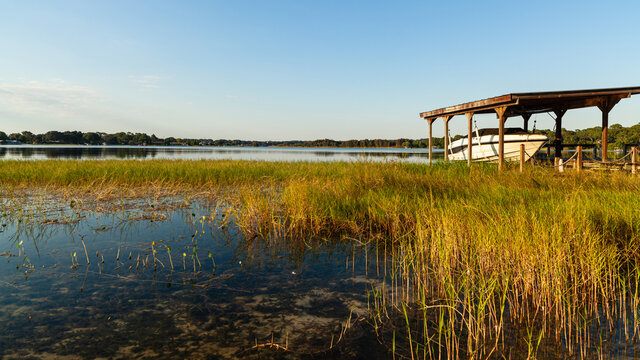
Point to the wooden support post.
(606, 104)
(526, 118)
(558, 142)
(521, 158)
(605, 133)
(430, 121)
(501, 112)
(470, 139)
(579, 162)
(634, 160)
(446, 119)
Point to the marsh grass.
(475, 254)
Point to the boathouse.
(527, 104)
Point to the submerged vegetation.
(477, 264)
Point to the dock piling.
(469, 138)
(501, 112)
(430, 138)
(579, 161)
(446, 136)
(521, 158)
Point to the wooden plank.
(486, 104)
(573, 93)
(536, 102)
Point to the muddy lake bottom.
(246, 299)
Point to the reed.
(474, 254)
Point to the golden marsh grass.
(475, 254)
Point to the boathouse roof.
(537, 102)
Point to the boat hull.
(486, 149)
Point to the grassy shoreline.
(474, 251)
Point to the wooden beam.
(474, 105)
(558, 142)
(501, 111)
(534, 103)
(469, 138)
(430, 121)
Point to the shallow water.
(94, 152)
(212, 292)
(81, 152)
(301, 295)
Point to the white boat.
(485, 145)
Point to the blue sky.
(298, 69)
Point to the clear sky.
(302, 69)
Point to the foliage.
(618, 136)
(128, 138)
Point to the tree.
(27, 137)
(91, 138)
(53, 137)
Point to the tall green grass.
(476, 254)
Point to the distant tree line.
(618, 136)
(129, 138)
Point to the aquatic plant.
(469, 256)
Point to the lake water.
(81, 152)
(210, 293)
(84, 152)
(162, 279)
(159, 279)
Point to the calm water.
(210, 292)
(44, 152)
(225, 294)
(83, 152)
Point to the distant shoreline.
(618, 137)
(212, 146)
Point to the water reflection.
(177, 288)
(155, 281)
(44, 152)
(81, 152)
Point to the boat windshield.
(496, 131)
